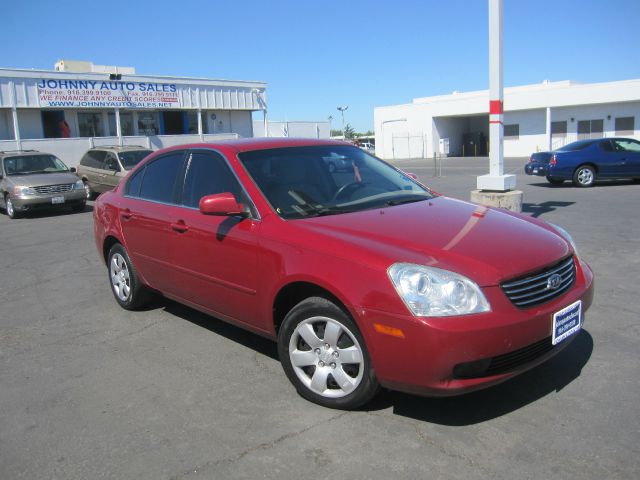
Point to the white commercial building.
(79, 105)
(536, 118)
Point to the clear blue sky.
(317, 55)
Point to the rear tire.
(325, 357)
(555, 181)
(123, 278)
(584, 176)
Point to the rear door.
(145, 218)
(110, 177)
(214, 257)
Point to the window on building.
(126, 124)
(148, 123)
(512, 132)
(54, 125)
(590, 129)
(625, 125)
(559, 129)
(90, 124)
(192, 120)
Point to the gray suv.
(31, 180)
(102, 168)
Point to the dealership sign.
(107, 94)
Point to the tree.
(349, 132)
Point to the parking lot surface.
(89, 390)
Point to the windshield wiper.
(401, 201)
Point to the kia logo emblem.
(554, 281)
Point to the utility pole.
(496, 188)
(342, 108)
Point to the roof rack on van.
(17, 151)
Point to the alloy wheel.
(326, 357)
(120, 278)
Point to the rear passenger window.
(133, 186)
(208, 173)
(96, 158)
(606, 146)
(160, 177)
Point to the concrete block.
(511, 200)
(499, 183)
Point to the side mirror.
(72, 169)
(221, 204)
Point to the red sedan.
(364, 277)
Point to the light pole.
(342, 108)
(330, 117)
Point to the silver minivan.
(102, 168)
(32, 180)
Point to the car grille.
(535, 289)
(48, 189)
(503, 363)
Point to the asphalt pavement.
(91, 391)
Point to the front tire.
(584, 176)
(325, 357)
(123, 278)
(10, 209)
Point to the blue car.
(585, 161)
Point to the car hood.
(487, 245)
(41, 179)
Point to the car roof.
(21, 153)
(250, 144)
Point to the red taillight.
(554, 161)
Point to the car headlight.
(79, 185)
(564, 234)
(433, 292)
(19, 191)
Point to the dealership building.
(537, 117)
(79, 105)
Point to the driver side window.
(207, 174)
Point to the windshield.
(131, 159)
(302, 182)
(28, 164)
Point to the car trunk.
(541, 157)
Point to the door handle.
(126, 214)
(179, 226)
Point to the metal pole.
(549, 133)
(118, 127)
(200, 131)
(496, 109)
(14, 113)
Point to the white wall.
(293, 129)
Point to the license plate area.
(57, 200)
(566, 322)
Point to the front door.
(630, 152)
(215, 257)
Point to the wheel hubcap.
(585, 176)
(326, 357)
(87, 191)
(120, 279)
(9, 207)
